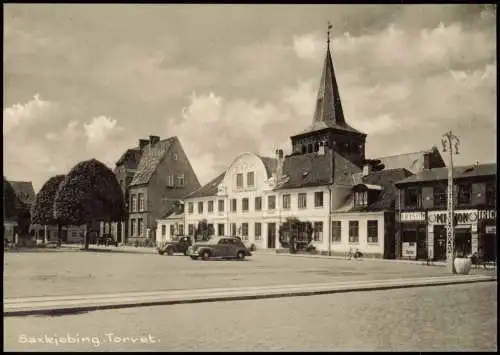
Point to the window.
(163, 230)
(191, 229)
(239, 180)
(464, 193)
(318, 199)
(221, 205)
(336, 231)
(353, 232)
(140, 197)
(258, 230)
(233, 205)
(413, 197)
(360, 198)
(210, 229)
(244, 231)
(439, 193)
(181, 229)
(271, 202)
(244, 204)
(172, 230)
(140, 227)
(170, 182)
(200, 207)
(258, 203)
(491, 195)
(175, 156)
(132, 227)
(302, 201)
(190, 207)
(318, 231)
(250, 178)
(210, 206)
(133, 203)
(233, 228)
(220, 229)
(286, 201)
(372, 231)
(180, 180)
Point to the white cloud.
(33, 111)
(308, 46)
(99, 129)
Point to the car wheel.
(161, 252)
(206, 255)
(240, 255)
(194, 257)
(170, 251)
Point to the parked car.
(251, 246)
(52, 244)
(180, 245)
(106, 240)
(219, 247)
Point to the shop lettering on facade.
(412, 216)
(487, 214)
(461, 217)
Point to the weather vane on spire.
(329, 28)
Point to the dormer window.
(360, 198)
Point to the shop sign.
(409, 249)
(461, 217)
(491, 229)
(412, 216)
(487, 214)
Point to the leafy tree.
(89, 193)
(15, 209)
(43, 209)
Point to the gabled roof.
(134, 153)
(209, 189)
(385, 198)
(270, 164)
(459, 172)
(413, 162)
(151, 157)
(313, 169)
(24, 191)
(328, 112)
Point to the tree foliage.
(10, 201)
(88, 193)
(294, 230)
(43, 209)
(203, 231)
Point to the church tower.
(329, 127)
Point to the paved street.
(70, 273)
(458, 317)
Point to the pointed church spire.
(328, 105)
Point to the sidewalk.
(72, 304)
(118, 249)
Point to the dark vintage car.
(181, 245)
(106, 240)
(219, 247)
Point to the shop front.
(487, 245)
(413, 236)
(466, 233)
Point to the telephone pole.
(450, 142)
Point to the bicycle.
(356, 254)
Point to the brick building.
(153, 177)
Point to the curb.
(217, 295)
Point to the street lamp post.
(450, 142)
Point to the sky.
(88, 81)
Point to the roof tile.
(151, 157)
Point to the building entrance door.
(463, 241)
(439, 243)
(119, 232)
(271, 235)
(421, 243)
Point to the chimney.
(427, 161)
(153, 140)
(279, 164)
(143, 143)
